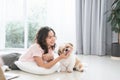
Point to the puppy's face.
(65, 48)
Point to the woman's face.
(50, 40)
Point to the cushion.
(9, 60)
(32, 67)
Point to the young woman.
(41, 53)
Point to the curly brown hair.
(41, 36)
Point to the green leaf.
(115, 2)
(114, 29)
(114, 25)
(118, 22)
(118, 14)
(114, 17)
(113, 22)
(110, 17)
(117, 5)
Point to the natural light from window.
(20, 20)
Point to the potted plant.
(114, 19)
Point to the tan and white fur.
(70, 63)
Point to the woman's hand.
(48, 57)
(64, 56)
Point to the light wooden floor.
(96, 68)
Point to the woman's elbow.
(44, 66)
(47, 67)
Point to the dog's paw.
(62, 70)
(81, 69)
(69, 70)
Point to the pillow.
(33, 68)
(9, 60)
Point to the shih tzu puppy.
(72, 62)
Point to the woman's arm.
(48, 57)
(48, 65)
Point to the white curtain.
(92, 30)
(61, 17)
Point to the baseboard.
(115, 58)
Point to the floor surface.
(96, 68)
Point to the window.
(14, 35)
(20, 20)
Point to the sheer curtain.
(92, 31)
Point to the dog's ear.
(71, 44)
(59, 51)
